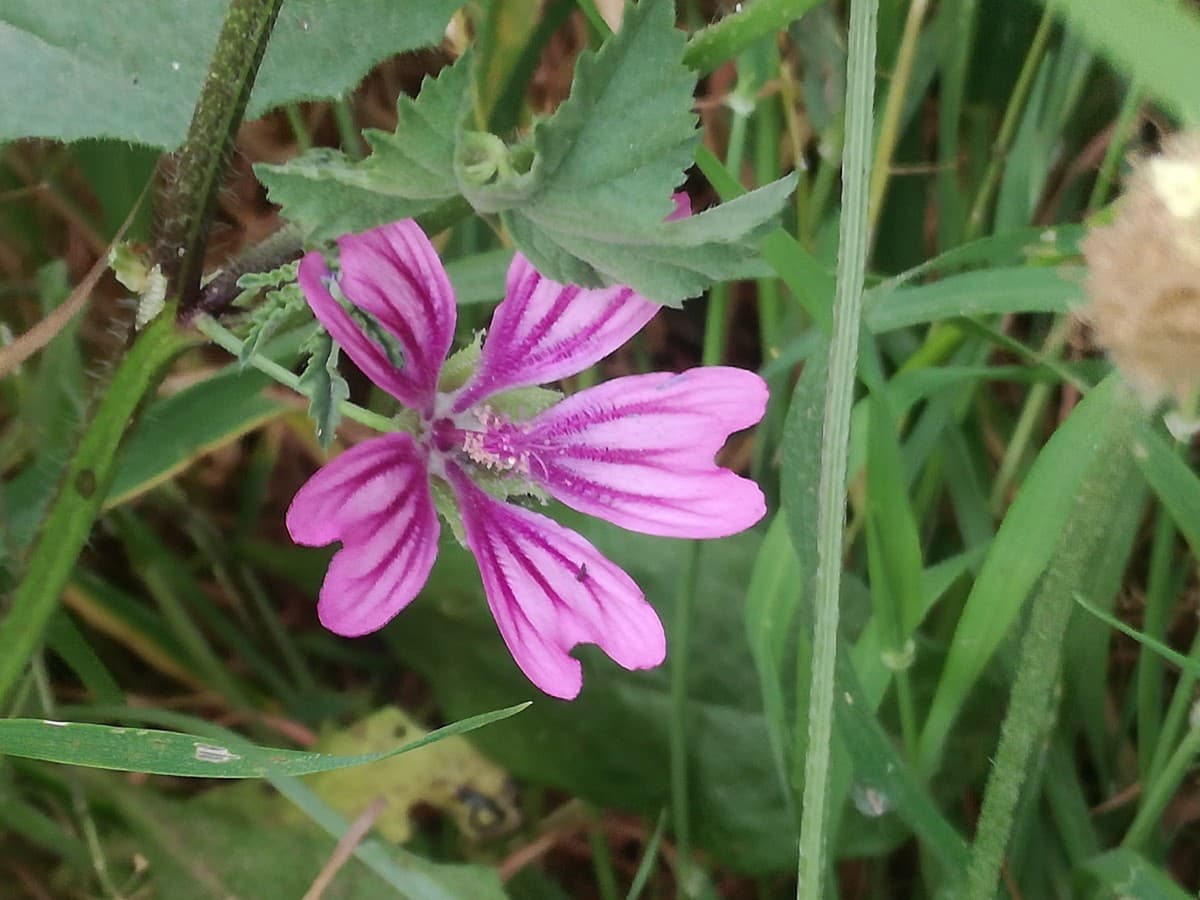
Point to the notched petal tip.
(375, 499)
(640, 451)
(549, 590)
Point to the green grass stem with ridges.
(839, 398)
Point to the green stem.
(1038, 668)
(227, 340)
(602, 864)
(189, 191)
(1159, 794)
(955, 37)
(1008, 125)
(681, 632)
(1159, 601)
(770, 306)
(711, 355)
(823, 183)
(83, 489)
(1116, 144)
(299, 127)
(839, 397)
(343, 116)
(715, 317)
(1027, 422)
(1176, 717)
(889, 128)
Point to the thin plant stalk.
(602, 864)
(343, 116)
(1160, 598)
(1107, 173)
(839, 397)
(767, 134)
(227, 340)
(1008, 125)
(680, 636)
(889, 126)
(711, 355)
(1160, 791)
(1029, 419)
(299, 127)
(1176, 717)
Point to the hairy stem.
(79, 500)
(180, 235)
(1032, 703)
(189, 184)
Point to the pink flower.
(637, 451)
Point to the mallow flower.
(637, 451)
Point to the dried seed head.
(1143, 280)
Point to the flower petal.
(393, 273)
(549, 589)
(683, 206)
(638, 451)
(375, 499)
(543, 331)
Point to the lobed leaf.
(585, 196)
(409, 172)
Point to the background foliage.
(996, 467)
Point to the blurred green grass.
(1010, 127)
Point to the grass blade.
(839, 398)
(158, 752)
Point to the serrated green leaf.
(585, 197)
(324, 386)
(591, 208)
(326, 194)
(132, 69)
(409, 172)
(620, 143)
(668, 263)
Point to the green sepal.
(324, 386)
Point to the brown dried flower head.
(1143, 279)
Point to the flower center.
(485, 437)
(499, 445)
